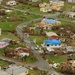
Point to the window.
(55, 44)
(47, 44)
(51, 44)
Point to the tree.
(2, 12)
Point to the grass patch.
(8, 35)
(8, 25)
(39, 39)
(3, 63)
(57, 59)
(34, 72)
(68, 6)
(66, 23)
(37, 72)
(29, 8)
(30, 59)
(1, 51)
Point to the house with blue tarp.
(51, 22)
(51, 44)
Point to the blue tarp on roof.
(50, 21)
(53, 41)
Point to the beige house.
(51, 35)
(42, 25)
(45, 9)
(57, 8)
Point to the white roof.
(3, 73)
(16, 69)
(51, 34)
(1, 43)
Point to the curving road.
(41, 63)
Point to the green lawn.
(3, 63)
(29, 8)
(8, 25)
(37, 72)
(30, 59)
(8, 35)
(1, 51)
(39, 39)
(66, 23)
(68, 6)
(46, 1)
(57, 59)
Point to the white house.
(71, 1)
(17, 70)
(51, 43)
(70, 49)
(11, 3)
(23, 54)
(70, 14)
(3, 44)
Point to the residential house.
(51, 43)
(17, 70)
(57, 8)
(52, 5)
(23, 54)
(3, 44)
(71, 1)
(73, 36)
(71, 14)
(51, 35)
(42, 25)
(1, 1)
(41, 5)
(51, 22)
(20, 51)
(72, 62)
(11, 3)
(4, 73)
(70, 49)
(45, 9)
(56, 3)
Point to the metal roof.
(50, 21)
(53, 41)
